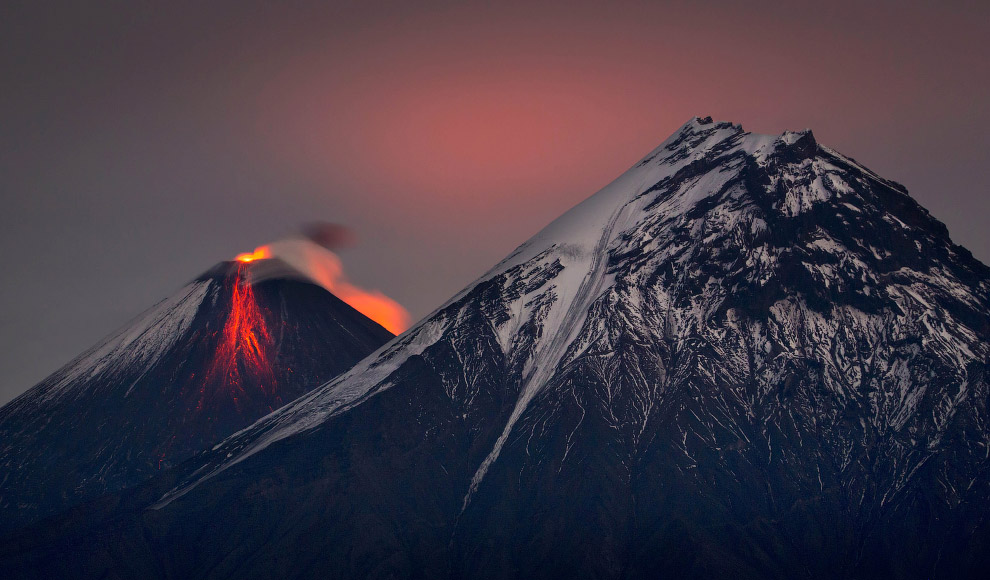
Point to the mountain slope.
(748, 355)
(196, 367)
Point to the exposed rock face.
(747, 357)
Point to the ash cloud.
(329, 235)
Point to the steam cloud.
(310, 257)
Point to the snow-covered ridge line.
(141, 341)
(310, 410)
(701, 164)
(578, 232)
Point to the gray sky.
(139, 145)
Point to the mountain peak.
(747, 356)
(792, 137)
(720, 150)
(743, 220)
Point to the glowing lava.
(259, 253)
(244, 340)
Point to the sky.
(140, 143)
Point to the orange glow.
(324, 268)
(375, 306)
(329, 272)
(259, 253)
(243, 343)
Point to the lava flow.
(241, 352)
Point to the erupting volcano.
(229, 347)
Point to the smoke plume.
(309, 257)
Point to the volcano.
(200, 365)
(749, 356)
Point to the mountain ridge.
(702, 135)
(748, 355)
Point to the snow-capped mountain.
(203, 363)
(748, 356)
